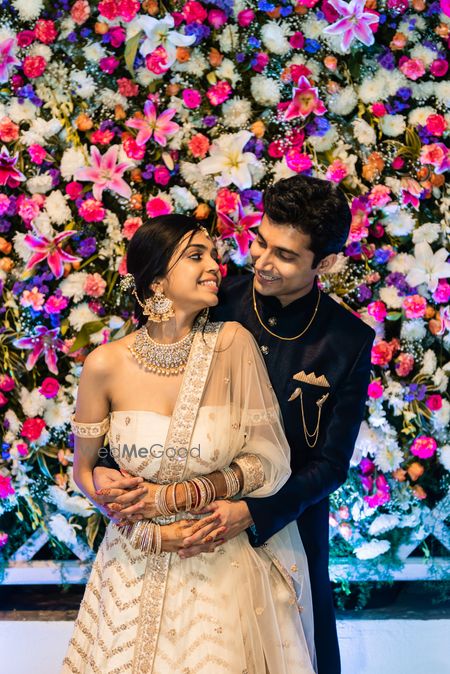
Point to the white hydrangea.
(40, 184)
(57, 413)
(94, 52)
(389, 295)
(227, 71)
(80, 315)
(83, 84)
(61, 529)
(399, 222)
(32, 402)
(400, 263)
(229, 39)
(275, 37)
(73, 285)
(343, 102)
(420, 115)
(325, 142)
(71, 160)
(428, 232)
(383, 523)
(429, 362)
(414, 330)
(265, 90)
(372, 549)
(441, 418)
(57, 208)
(444, 456)
(28, 9)
(393, 125)
(363, 132)
(183, 199)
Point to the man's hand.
(174, 535)
(233, 517)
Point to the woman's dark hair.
(315, 207)
(150, 250)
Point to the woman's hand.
(116, 490)
(174, 535)
(138, 504)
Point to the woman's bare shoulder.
(105, 358)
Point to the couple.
(216, 558)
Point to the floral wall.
(117, 110)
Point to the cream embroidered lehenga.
(238, 610)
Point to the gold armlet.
(93, 430)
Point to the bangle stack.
(144, 535)
(231, 481)
(199, 492)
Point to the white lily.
(227, 158)
(158, 33)
(428, 267)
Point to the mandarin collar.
(272, 305)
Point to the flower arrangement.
(116, 110)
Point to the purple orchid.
(9, 174)
(354, 24)
(49, 249)
(7, 59)
(240, 231)
(43, 341)
(105, 173)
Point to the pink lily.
(105, 173)
(159, 126)
(9, 174)
(43, 341)
(7, 58)
(240, 230)
(49, 249)
(305, 101)
(354, 24)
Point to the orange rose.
(415, 471)
(136, 202)
(5, 246)
(83, 122)
(172, 89)
(398, 41)
(399, 475)
(215, 57)
(119, 113)
(6, 264)
(258, 128)
(202, 211)
(101, 28)
(183, 54)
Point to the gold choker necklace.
(285, 339)
(164, 359)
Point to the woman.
(188, 406)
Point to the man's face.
(283, 261)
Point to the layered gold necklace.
(285, 339)
(163, 359)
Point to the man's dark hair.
(315, 207)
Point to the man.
(318, 357)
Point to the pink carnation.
(217, 18)
(379, 109)
(199, 145)
(424, 447)
(132, 149)
(80, 12)
(37, 154)
(337, 171)
(414, 306)
(375, 389)
(117, 36)
(157, 206)
(193, 11)
(130, 227)
(127, 87)
(28, 209)
(404, 364)
(74, 190)
(25, 38)
(412, 68)
(298, 161)
(379, 196)
(6, 488)
(94, 285)
(161, 175)
(92, 210)
(219, 93)
(49, 387)
(3, 400)
(226, 201)
(382, 353)
(377, 310)
(5, 202)
(436, 124)
(297, 40)
(34, 66)
(109, 64)
(45, 31)
(55, 304)
(9, 131)
(158, 61)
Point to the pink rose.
(298, 161)
(161, 175)
(25, 38)
(191, 98)
(49, 387)
(375, 389)
(117, 35)
(74, 190)
(245, 17)
(32, 428)
(157, 206)
(193, 11)
(434, 402)
(436, 124)
(217, 18)
(439, 68)
(424, 447)
(109, 64)
(7, 383)
(442, 293)
(297, 40)
(94, 285)
(34, 66)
